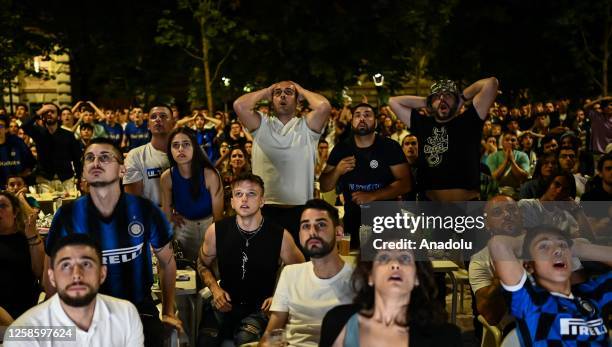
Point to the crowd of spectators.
(163, 183)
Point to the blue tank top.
(351, 337)
(184, 203)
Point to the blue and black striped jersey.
(126, 238)
(552, 319)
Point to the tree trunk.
(606, 52)
(420, 66)
(418, 79)
(207, 84)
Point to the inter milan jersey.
(206, 139)
(126, 238)
(552, 319)
(137, 135)
(115, 132)
(15, 158)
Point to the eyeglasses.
(103, 158)
(386, 258)
(287, 91)
(410, 143)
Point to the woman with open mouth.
(395, 305)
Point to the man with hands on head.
(58, 150)
(448, 140)
(548, 309)
(284, 147)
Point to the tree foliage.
(140, 50)
(20, 43)
(205, 31)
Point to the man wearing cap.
(449, 143)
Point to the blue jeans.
(243, 324)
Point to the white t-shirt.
(115, 323)
(284, 157)
(307, 299)
(146, 164)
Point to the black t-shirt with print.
(372, 172)
(449, 152)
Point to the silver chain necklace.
(247, 235)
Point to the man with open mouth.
(449, 168)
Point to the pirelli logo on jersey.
(121, 255)
(578, 326)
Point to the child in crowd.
(549, 310)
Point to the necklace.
(247, 235)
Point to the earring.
(416, 283)
(370, 284)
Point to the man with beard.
(284, 147)
(602, 187)
(367, 167)
(127, 227)
(503, 218)
(305, 292)
(93, 319)
(58, 150)
(146, 163)
(247, 248)
(449, 142)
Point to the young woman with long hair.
(192, 191)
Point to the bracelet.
(32, 238)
